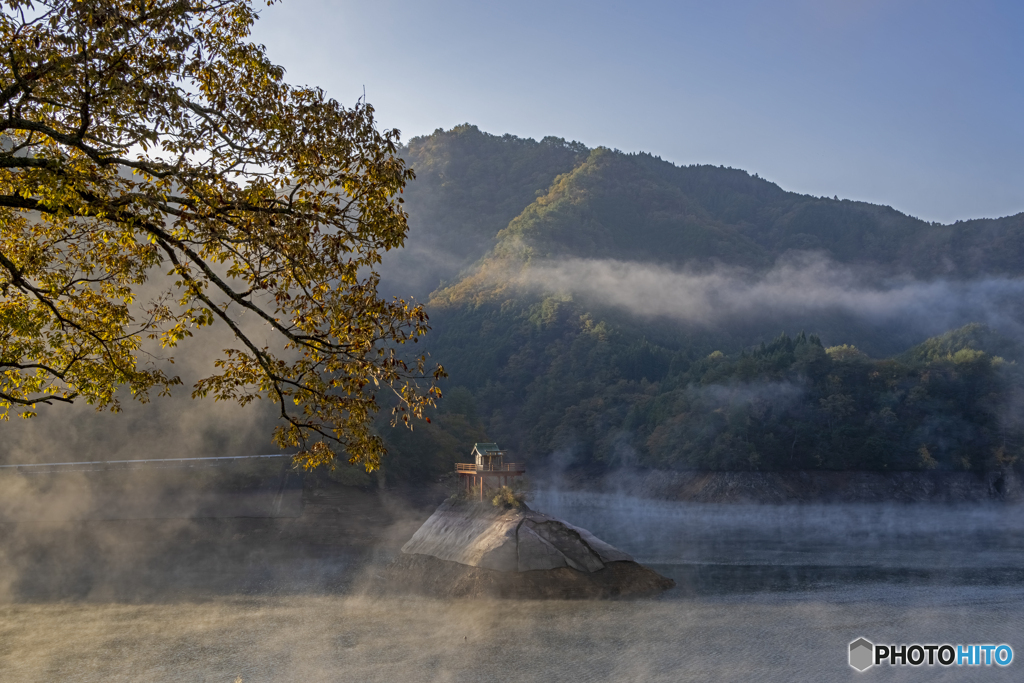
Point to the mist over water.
(772, 592)
(342, 638)
(174, 426)
(937, 539)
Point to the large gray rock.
(516, 540)
(474, 550)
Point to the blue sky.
(918, 104)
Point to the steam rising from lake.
(767, 593)
(303, 639)
(172, 426)
(800, 284)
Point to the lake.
(766, 593)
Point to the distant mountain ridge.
(507, 197)
(640, 208)
(566, 380)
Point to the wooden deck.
(507, 468)
(488, 476)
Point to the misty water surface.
(772, 593)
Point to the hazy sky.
(918, 104)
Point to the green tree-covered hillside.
(559, 377)
(636, 207)
(551, 381)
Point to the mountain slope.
(468, 186)
(635, 207)
(558, 375)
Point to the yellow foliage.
(507, 498)
(845, 352)
(1004, 459)
(927, 461)
(151, 143)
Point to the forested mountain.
(636, 207)
(475, 192)
(468, 186)
(603, 308)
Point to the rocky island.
(473, 549)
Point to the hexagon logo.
(862, 654)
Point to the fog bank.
(800, 284)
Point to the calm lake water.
(765, 593)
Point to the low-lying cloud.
(758, 395)
(798, 285)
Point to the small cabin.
(489, 469)
(488, 456)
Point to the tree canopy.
(157, 176)
(560, 384)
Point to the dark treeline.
(792, 403)
(551, 383)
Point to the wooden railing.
(469, 467)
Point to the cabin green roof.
(482, 448)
